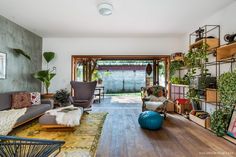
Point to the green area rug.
(81, 142)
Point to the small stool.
(150, 120)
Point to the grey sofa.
(31, 113)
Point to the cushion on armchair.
(80, 101)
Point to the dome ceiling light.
(105, 8)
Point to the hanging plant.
(175, 65)
(196, 59)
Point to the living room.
(42, 43)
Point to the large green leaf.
(45, 76)
(48, 56)
(21, 52)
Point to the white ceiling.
(130, 18)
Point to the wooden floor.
(179, 137)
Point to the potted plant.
(220, 121)
(45, 76)
(227, 91)
(97, 76)
(62, 97)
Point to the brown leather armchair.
(83, 94)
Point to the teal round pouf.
(150, 120)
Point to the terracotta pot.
(47, 96)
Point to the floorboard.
(179, 137)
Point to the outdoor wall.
(65, 47)
(127, 81)
(19, 69)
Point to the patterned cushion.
(21, 100)
(35, 98)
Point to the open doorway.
(121, 74)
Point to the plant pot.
(47, 96)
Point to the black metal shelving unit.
(216, 64)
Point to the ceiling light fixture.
(105, 8)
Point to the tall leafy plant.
(45, 76)
(227, 90)
(196, 59)
(220, 121)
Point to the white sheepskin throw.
(69, 116)
(9, 118)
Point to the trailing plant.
(196, 59)
(219, 121)
(175, 65)
(45, 76)
(62, 97)
(177, 80)
(193, 94)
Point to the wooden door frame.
(166, 58)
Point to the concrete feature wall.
(20, 69)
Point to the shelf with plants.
(195, 62)
(198, 59)
(224, 96)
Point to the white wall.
(225, 18)
(65, 47)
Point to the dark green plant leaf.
(220, 120)
(21, 52)
(48, 56)
(62, 96)
(45, 76)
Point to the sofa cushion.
(5, 101)
(34, 111)
(21, 100)
(47, 119)
(35, 98)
